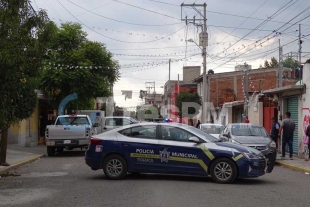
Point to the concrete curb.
(16, 165)
(293, 167)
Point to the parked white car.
(212, 129)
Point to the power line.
(248, 51)
(148, 25)
(147, 10)
(242, 22)
(114, 38)
(275, 31)
(52, 8)
(91, 9)
(264, 22)
(222, 13)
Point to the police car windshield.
(202, 134)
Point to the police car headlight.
(273, 144)
(249, 155)
(234, 141)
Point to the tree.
(274, 62)
(290, 63)
(24, 36)
(260, 66)
(266, 64)
(76, 65)
(187, 97)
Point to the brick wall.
(258, 81)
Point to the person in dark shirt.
(274, 132)
(198, 124)
(308, 134)
(288, 127)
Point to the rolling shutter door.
(292, 106)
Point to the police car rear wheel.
(115, 167)
(223, 170)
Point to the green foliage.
(24, 37)
(290, 63)
(71, 47)
(266, 64)
(187, 97)
(274, 62)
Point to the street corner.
(4, 170)
(298, 166)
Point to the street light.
(191, 40)
(204, 80)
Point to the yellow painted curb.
(13, 166)
(293, 167)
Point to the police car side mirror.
(194, 139)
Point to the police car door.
(179, 155)
(140, 144)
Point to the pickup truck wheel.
(224, 171)
(50, 151)
(115, 167)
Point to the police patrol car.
(171, 149)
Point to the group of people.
(287, 129)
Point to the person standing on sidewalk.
(198, 124)
(308, 134)
(288, 127)
(274, 132)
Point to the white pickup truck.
(69, 131)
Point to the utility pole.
(204, 42)
(246, 89)
(299, 53)
(280, 72)
(169, 68)
(149, 86)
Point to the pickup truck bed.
(68, 132)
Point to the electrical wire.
(114, 38)
(242, 22)
(91, 9)
(222, 13)
(264, 22)
(275, 31)
(165, 15)
(147, 25)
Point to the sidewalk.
(17, 156)
(295, 164)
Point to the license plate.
(67, 141)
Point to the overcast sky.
(144, 34)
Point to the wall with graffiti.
(305, 109)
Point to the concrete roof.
(284, 89)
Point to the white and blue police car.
(171, 149)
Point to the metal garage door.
(292, 106)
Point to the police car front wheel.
(115, 167)
(224, 170)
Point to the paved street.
(65, 180)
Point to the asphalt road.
(65, 180)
